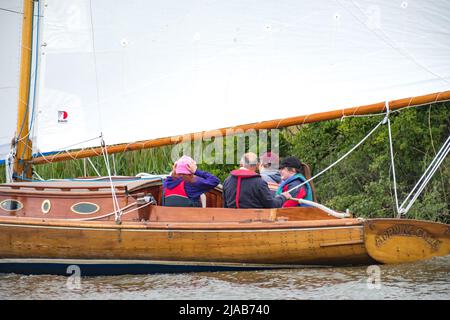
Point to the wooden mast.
(22, 167)
(272, 124)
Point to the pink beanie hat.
(270, 158)
(182, 165)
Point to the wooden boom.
(271, 124)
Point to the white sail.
(10, 45)
(139, 69)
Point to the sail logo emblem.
(62, 116)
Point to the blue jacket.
(292, 182)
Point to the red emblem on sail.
(62, 116)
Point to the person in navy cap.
(291, 171)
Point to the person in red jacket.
(244, 188)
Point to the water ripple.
(422, 280)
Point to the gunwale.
(204, 226)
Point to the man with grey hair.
(245, 189)
(249, 160)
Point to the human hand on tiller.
(287, 195)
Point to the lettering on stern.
(407, 230)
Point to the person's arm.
(266, 197)
(298, 193)
(205, 181)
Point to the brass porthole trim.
(97, 207)
(44, 203)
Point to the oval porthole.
(85, 208)
(46, 206)
(11, 205)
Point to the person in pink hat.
(186, 183)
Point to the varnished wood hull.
(204, 245)
(153, 238)
(103, 247)
(394, 241)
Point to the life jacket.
(284, 186)
(241, 174)
(177, 197)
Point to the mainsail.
(138, 70)
(10, 37)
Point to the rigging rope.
(425, 178)
(341, 158)
(418, 188)
(423, 181)
(118, 212)
(12, 11)
(391, 150)
(37, 175)
(9, 166)
(93, 166)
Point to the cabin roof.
(131, 184)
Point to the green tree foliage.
(363, 181)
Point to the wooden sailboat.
(47, 226)
(55, 225)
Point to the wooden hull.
(153, 238)
(232, 245)
(394, 241)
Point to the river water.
(422, 280)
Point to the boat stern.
(392, 241)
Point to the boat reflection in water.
(421, 280)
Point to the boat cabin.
(139, 200)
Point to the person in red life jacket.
(291, 174)
(186, 183)
(268, 169)
(245, 189)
